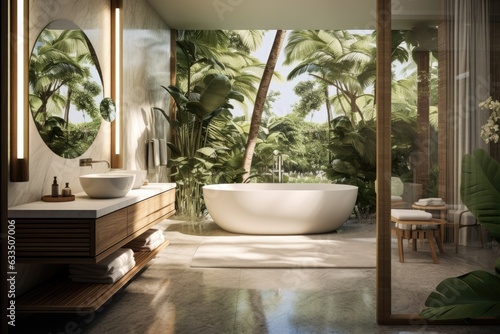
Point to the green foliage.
(203, 52)
(268, 141)
(353, 153)
(312, 97)
(200, 154)
(473, 295)
(480, 189)
(303, 143)
(339, 59)
(476, 294)
(309, 177)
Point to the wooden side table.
(419, 233)
(443, 209)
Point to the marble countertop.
(85, 207)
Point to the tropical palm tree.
(204, 52)
(339, 59)
(260, 101)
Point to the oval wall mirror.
(65, 89)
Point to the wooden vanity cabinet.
(85, 240)
(89, 240)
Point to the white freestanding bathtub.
(280, 208)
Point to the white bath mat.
(285, 252)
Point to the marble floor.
(170, 297)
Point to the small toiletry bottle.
(55, 188)
(66, 192)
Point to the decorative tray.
(50, 198)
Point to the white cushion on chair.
(408, 214)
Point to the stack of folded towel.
(147, 241)
(109, 270)
(430, 201)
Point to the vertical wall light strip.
(117, 79)
(20, 79)
(116, 86)
(19, 130)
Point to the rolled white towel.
(109, 265)
(407, 214)
(110, 278)
(149, 235)
(151, 246)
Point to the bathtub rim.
(267, 186)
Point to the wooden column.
(422, 165)
(383, 162)
(445, 108)
(173, 77)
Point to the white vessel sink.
(107, 185)
(140, 176)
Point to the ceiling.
(290, 14)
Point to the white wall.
(146, 53)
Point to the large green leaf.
(480, 189)
(343, 167)
(207, 151)
(473, 295)
(236, 96)
(196, 108)
(216, 88)
(178, 96)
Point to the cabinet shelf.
(61, 295)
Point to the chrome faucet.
(86, 162)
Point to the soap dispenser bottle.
(66, 192)
(55, 188)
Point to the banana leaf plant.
(475, 294)
(194, 159)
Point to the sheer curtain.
(469, 80)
